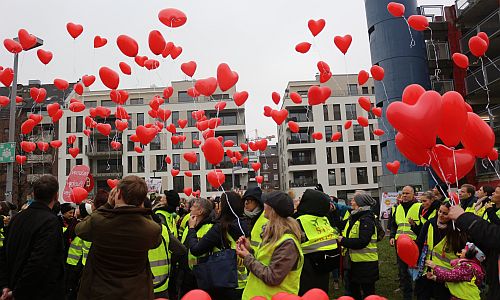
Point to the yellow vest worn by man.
(159, 262)
(320, 234)
(401, 218)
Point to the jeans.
(405, 281)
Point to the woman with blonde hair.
(277, 263)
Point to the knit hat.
(280, 202)
(479, 255)
(314, 202)
(66, 206)
(173, 198)
(362, 199)
(254, 193)
(85, 209)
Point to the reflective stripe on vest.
(85, 251)
(487, 218)
(159, 262)
(320, 234)
(74, 252)
(257, 230)
(183, 224)
(171, 221)
(1, 237)
(464, 289)
(290, 284)
(193, 260)
(402, 220)
(367, 254)
(436, 252)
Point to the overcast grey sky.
(256, 38)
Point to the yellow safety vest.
(401, 218)
(437, 253)
(159, 262)
(171, 219)
(257, 287)
(85, 251)
(1, 237)
(320, 234)
(242, 270)
(432, 215)
(367, 254)
(74, 251)
(183, 224)
(485, 215)
(257, 230)
(193, 260)
(464, 289)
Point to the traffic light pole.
(12, 130)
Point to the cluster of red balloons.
(423, 116)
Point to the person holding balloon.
(277, 263)
(439, 242)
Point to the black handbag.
(217, 270)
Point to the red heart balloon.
(190, 157)
(336, 136)
(60, 84)
(187, 191)
(318, 95)
(412, 150)
(26, 39)
(36, 118)
(316, 26)
(109, 78)
(279, 116)
(188, 173)
(216, 178)
(175, 52)
(6, 76)
(74, 152)
(347, 124)
(171, 128)
(478, 46)
(226, 77)
(172, 17)
(296, 97)
(206, 86)
(478, 137)
(44, 56)
(453, 117)
(393, 166)
(156, 42)
(377, 111)
(315, 294)
(303, 47)
(43, 146)
(244, 147)
(267, 111)
(27, 126)
(139, 60)
(196, 143)
(88, 80)
(4, 101)
(12, 46)
(228, 143)
(77, 107)
(377, 72)
(213, 151)
(168, 49)
(343, 42)
(151, 64)
(363, 121)
(28, 146)
(125, 68)
(55, 144)
(418, 22)
(71, 139)
(365, 103)
(378, 132)
(238, 155)
(168, 160)
(99, 41)
(168, 92)
(229, 153)
(412, 93)
(493, 155)
(78, 88)
(138, 149)
(189, 68)
(240, 98)
(276, 97)
(443, 163)
(115, 145)
(104, 129)
(145, 135)
(396, 9)
(121, 113)
(363, 77)
(74, 29)
(420, 121)
(21, 159)
(293, 126)
(164, 114)
(192, 92)
(253, 146)
(317, 136)
(261, 144)
(259, 179)
(244, 160)
(38, 94)
(112, 183)
(462, 61)
(407, 250)
(128, 45)
(57, 116)
(220, 105)
(87, 132)
(174, 172)
(78, 194)
(256, 166)
(182, 123)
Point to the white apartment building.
(106, 163)
(352, 163)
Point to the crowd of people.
(127, 245)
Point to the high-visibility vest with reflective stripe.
(159, 262)
(1, 237)
(242, 270)
(432, 215)
(171, 219)
(183, 224)
(437, 253)
(74, 251)
(290, 284)
(470, 209)
(369, 253)
(485, 215)
(464, 289)
(85, 251)
(193, 260)
(320, 234)
(257, 230)
(401, 218)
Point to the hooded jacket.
(314, 203)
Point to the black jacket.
(314, 203)
(492, 214)
(213, 238)
(438, 235)
(469, 202)
(362, 272)
(32, 259)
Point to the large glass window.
(176, 161)
(359, 132)
(161, 165)
(196, 182)
(179, 184)
(328, 133)
(336, 112)
(353, 89)
(175, 117)
(191, 120)
(68, 124)
(340, 155)
(140, 164)
(196, 165)
(130, 144)
(375, 174)
(109, 165)
(354, 154)
(184, 97)
(140, 119)
(350, 111)
(328, 155)
(217, 97)
(364, 90)
(194, 136)
(300, 114)
(332, 180)
(129, 164)
(136, 101)
(362, 175)
(155, 143)
(89, 104)
(342, 176)
(339, 129)
(228, 118)
(374, 150)
(371, 128)
(108, 103)
(325, 113)
(79, 124)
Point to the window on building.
(196, 165)
(359, 132)
(266, 177)
(371, 128)
(350, 111)
(364, 90)
(194, 136)
(79, 124)
(129, 164)
(140, 119)
(275, 177)
(217, 97)
(226, 136)
(184, 97)
(353, 89)
(332, 180)
(68, 124)
(228, 118)
(140, 164)
(336, 112)
(373, 90)
(80, 143)
(177, 146)
(130, 144)
(340, 155)
(68, 166)
(275, 166)
(265, 166)
(136, 101)
(339, 129)
(325, 113)
(300, 114)
(108, 103)
(342, 176)
(175, 117)
(176, 161)
(161, 165)
(103, 145)
(362, 175)
(354, 154)
(371, 115)
(328, 133)
(155, 143)
(328, 155)
(191, 120)
(196, 182)
(374, 150)
(179, 184)
(375, 174)
(89, 104)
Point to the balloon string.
(439, 166)
(412, 41)
(230, 207)
(455, 165)
(490, 114)
(494, 168)
(492, 62)
(437, 71)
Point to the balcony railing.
(475, 81)
(434, 13)
(301, 161)
(39, 158)
(484, 167)
(304, 183)
(443, 86)
(439, 49)
(490, 25)
(299, 141)
(463, 5)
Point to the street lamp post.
(12, 120)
